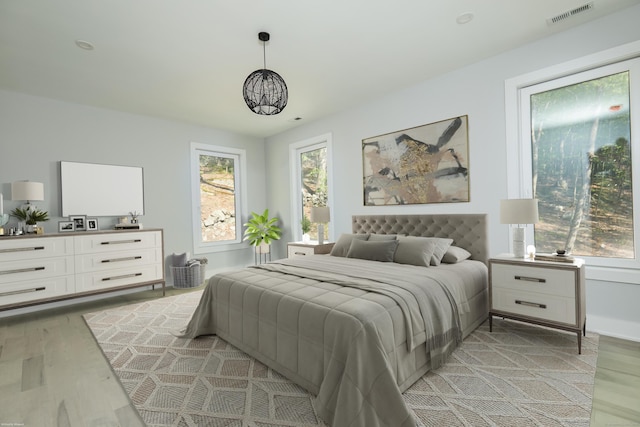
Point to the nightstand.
(544, 293)
(311, 248)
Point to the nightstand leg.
(579, 342)
(490, 323)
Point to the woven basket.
(188, 277)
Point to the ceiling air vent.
(570, 13)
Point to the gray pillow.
(414, 251)
(381, 250)
(455, 254)
(441, 248)
(179, 260)
(344, 243)
(378, 237)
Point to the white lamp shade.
(320, 214)
(519, 211)
(27, 190)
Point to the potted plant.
(261, 231)
(305, 224)
(31, 217)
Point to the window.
(310, 181)
(577, 156)
(217, 186)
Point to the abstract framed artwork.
(420, 165)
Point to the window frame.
(239, 156)
(295, 150)
(518, 146)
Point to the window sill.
(612, 274)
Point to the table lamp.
(518, 212)
(28, 191)
(320, 215)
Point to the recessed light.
(83, 44)
(464, 18)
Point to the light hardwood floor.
(52, 373)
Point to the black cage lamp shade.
(264, 91)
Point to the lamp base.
(518, 242)
(320, 234)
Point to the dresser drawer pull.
(21, 291)
(299, 253)
(22, 270)
(35, 248)
(530, 279)
(531, 304)
(117, 242)
(124, 276)
(129, 258)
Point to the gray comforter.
(350, 331)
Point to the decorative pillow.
(379, 237)
(344, 243)
(455, 254)
(179, 260)
(381, 250)
(441, 248)
(414, 251)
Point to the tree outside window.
(582, 168)
(313, 180)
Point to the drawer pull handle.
(22, 270)
(129, 258)
(117, 242)
(299, 253)
(124, 276)
(531, 304)
(530, 279)
(35, 248)
(22, 291)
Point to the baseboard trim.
(616, 328)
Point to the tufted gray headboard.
(468, 231)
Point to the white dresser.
(545, 293)
(44, 268)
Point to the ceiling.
(187, 59)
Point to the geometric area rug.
(517, 375)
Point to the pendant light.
(264, 91)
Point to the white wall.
(476, 91)
(36, 133)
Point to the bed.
(357, 332)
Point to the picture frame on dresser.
(66, 226)
(79, 221)
(92, 224)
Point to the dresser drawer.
(551, 281)
(533, 304)
(31, 290)
(107, 242)
(32, 269)
(115, 260)
(32, 248)
(299, 251)
(114, 278)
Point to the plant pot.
(306, 238)
(263, 248)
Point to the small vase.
(306, 238)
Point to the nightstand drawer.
(551, 281)
(300, 251)
(533, 304)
